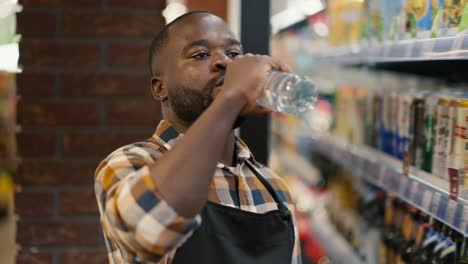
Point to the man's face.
(197, 51)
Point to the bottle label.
(441, 244)
(431, 237)
(450, 248)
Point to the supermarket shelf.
(300, 166)
(335, 246)
(443, 48)
(420, 189)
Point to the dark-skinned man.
(193, 192)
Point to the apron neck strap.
(267, 185)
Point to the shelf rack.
(442, 48)
(420, 189)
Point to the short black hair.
(160, 39)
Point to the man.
(193, 192)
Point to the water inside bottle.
(292, 94)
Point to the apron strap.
(268, 186)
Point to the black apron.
(229, 235)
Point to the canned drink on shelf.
(442, 137)
(386, 129)
(377, 122)
(393, 135)
(430, 119)
(417, 132)
(403, 124)
(458, 158)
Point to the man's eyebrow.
(232, 42)
(205, 43)
(199, 42)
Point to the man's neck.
(227, 156)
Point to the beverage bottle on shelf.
(396, 237)
(388, 216)
(376, 139)
(405, 240)
(442, 244)
(417, 248)
(289, 93)
(430, 119)
(449, 253)
(417, 132)
(458, 154)
(428, 244)
(442, 135)
(409, 248)
(462, 249)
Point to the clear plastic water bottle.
(289, 93)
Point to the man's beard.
(189, 104)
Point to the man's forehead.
(200, 26)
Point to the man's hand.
(245, 80)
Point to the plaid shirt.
(138, 224)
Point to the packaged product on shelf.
(394, 17)
(403, 123)
(377, 124)
(441, 138)
(440, 245)
(346, 19)
(419, 11)
(453, 11)
(417, 138)
(462, 249)
(439, 18)
(349, 114)
(458, 152)
(373, 26)
(448, 254)
(393, 104)
(430, 119)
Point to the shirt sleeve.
(133, 212)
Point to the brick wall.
(84, 92)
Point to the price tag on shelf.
(373, 171)
(386, 48)
(427, 198)
(443, 204)
(464, 45)
(458, 42)
(450, 211)
(373, 51)
(414, 188)
(362, 166)
(366, 166)
(393, 179)
(408, 49)
(404, 182)
(435, 203)
(427, 47)
(382, 172)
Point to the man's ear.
(158, 88)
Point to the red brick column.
(84, 92)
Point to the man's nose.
(220, 63)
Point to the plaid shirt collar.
(167, 136)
